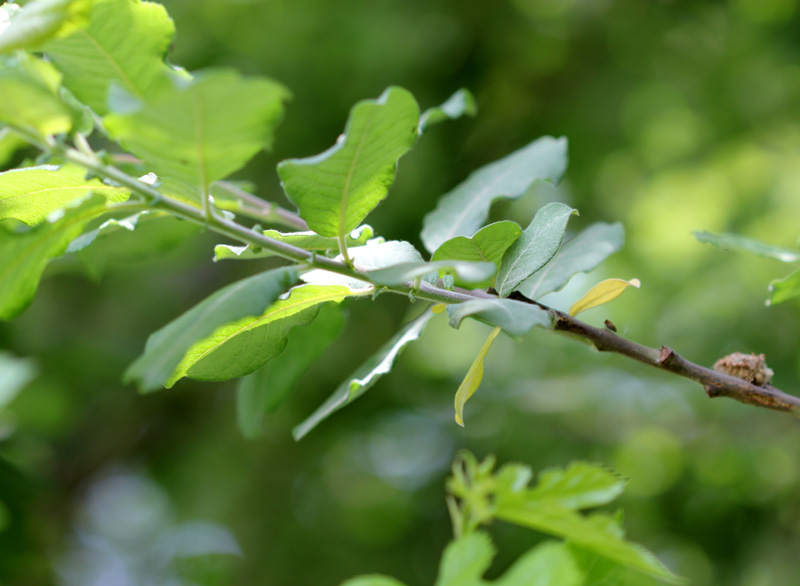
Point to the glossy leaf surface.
(124, 45)
(465, 271)
(166, 348)
(581, 254)
(366, 375)
(336, 189)
(30, 194)
(462, 211)
(534, 248)
(201, 130)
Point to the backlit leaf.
(166, 347)
(200, 130)
(124, 44)
(602, 293)
(41, 20)
(465, 560)
(534, 248)
(581, 254)
(462, 211)
(461, 103)
(781, 290)
(580, 485)
(516, 318)
(240, 347)
(365, 375)
(335, 190)
(473, 378)
(31, 194)
(262, 391)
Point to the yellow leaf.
(438, 308)
(473, 378)
(601, 293)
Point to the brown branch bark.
(715, 383)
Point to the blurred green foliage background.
(681, 116)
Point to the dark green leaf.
(41, 20)
(365, 375)
(166, 347)
(581, 254)
(461, 103)
(335, 190)
(124, 44)
(743, 243)
(201, 130)
(515, 317)
(32, 193)
(462, 211)
(534, 248)
(261, 392)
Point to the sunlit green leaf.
(462, 211)
(30, 194)
(467, 272)
(335, 190)
(516, 318)
(461, 103)
(465, 560)
(166, 347)
(124, 44)
(534, 248)
(743, 243)
(262, 391)
(549, 564)
(581, 254)
(25, 254)
(307, 240)
(781, 290)
(41, 20)
(472, 380)
(85, 239)
(201, 130)
(579, 486)
(366, 375)
(602, 293)
(237, 348)
(30, 103)
(487, 245)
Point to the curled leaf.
(473, 378)
(602, 293)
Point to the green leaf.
(781, 290)
(124, 44)
(465, 560)
(27, 253)
(262, 391)
(365, 375)
(743, 243)
(461, 103)
(549, 564)
(307, 240)
(537, 245)
(166, 347)
(29, 102)
(87, 238)
(514, 317)
(464, 210)
(580, 486)
(201, 130)
(472, 380)
(602, 293)
(237, 348)
(581, 254)
(31, 194)
(372, 580)
(335, 190)
(488, 245)
(41, 20)
(467, 272)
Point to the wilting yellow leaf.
(601, 293)
(473, 378)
